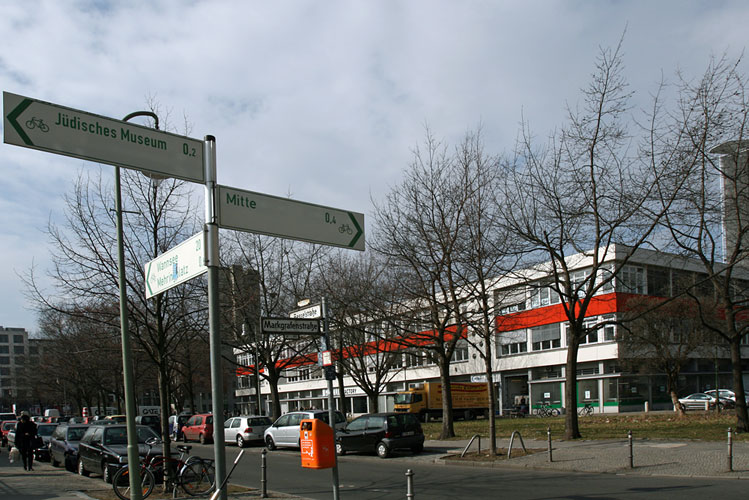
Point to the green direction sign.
(56, 129)
(297, 220)
(180, 264)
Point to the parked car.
(198, 427)
(152, 421)
(43, 432)
(285, 430)
(381, 433)
(245, 428)
(103, 448)
(697, 401)
(63, 445)
(723, 394)
(176, 422)
(6, 426)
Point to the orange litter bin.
(318, 447)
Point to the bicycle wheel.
(121, 483)
(554, 412)
(197, 477)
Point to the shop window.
(546, 372)
(610, 390)
(587, 392)
(546, 393)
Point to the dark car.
(44, 433)
(152, 421)
(381, 433)
(63, 445)
(103, 448)
(5, 426)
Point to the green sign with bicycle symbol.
(265, 214)
(57, 129)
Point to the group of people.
(26, 439)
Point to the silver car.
(245, 429)
(285, 430)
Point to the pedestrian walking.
(26, 440)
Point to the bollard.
(263, 486)
(410, 484)
(730, 450)
(548, 436)
(647, 406)
(631, 456)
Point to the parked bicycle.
(545, 410)
(195, 475)
(586, 410)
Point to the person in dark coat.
(25, 440)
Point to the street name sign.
(57, 129)
(180, 264)
(275, 216)
(285, 326)
(310, 312)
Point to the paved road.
(581, 470)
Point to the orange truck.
(469, 400)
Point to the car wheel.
(269, 443)
(382, 450)
(339, 449)
(82, 468)
(240, 441)
(106, 475)
(202, 439)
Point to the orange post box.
(318, 447)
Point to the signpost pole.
(217, 390)
(331, 400)
(133, 458)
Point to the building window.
(4, 349)
(460, 353)
(4, 338)
(18, 349)
(515, 342)
(631, 280)
(33, 349)
(546, 337)
(4, 360)
(304, 374)
(18, 339)
(4, 371)
(544, 296)
(609, 331)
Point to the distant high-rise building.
(734, 165)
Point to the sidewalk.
(651, 457)
(47, 482)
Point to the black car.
(63, 445)
(103, 448)
(44, 434)
(381, 433)
(152, 421)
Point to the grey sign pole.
(329, 376)
(217, 390)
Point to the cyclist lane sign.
(57, 129)
(261, 213)
(177, 265)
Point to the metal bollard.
(410, 485)
(730, 450)
(263, 485)
(631, 456)
(548, 436)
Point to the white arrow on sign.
(261, 213)
(56, 129)
(179, 264)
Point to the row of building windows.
(549, 337)
(18, 339)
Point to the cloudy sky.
(320, 99)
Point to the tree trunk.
(341, 390)
(275, 401)
(571, 424)
(374, 406)
(492, 404)
(447, 408)
(742, 422)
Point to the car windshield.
(403, 399)
(145, 433)
(76, 433)
(45, 430)
(8, 425)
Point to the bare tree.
(584, 194)
(420, 231)
(710, 222)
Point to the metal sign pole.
(331, 400)
(217, 390)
